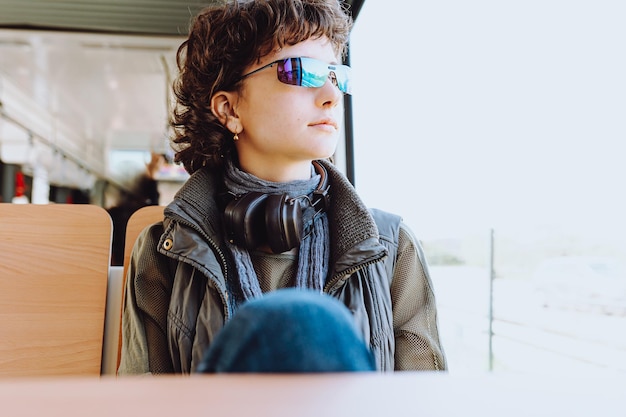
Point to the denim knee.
(289, 330)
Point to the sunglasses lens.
(314, 72)
(290, 71)
(342, 77)
(309, 72)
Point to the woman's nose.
(329, 94)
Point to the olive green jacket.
(181, 286)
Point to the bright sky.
(472, 114)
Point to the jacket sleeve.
(146, 302)
(418, 346)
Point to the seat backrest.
(54, 262)
(138, 221)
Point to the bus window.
(495, 130)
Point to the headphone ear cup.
(244, 220)
(283, 222)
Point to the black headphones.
(255, 218)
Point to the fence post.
(492, 276)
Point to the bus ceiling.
(139, 17)
(161, 22)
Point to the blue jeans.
(289, 330)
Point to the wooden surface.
(53, 283)
(363, 395)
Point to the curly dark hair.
(222, 42)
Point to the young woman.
(259, 111)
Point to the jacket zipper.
(212, 243)
(333, 282)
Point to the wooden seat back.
(54, 262)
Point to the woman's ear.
(222, 106)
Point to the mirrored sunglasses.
(309, 72)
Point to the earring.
(236, 137)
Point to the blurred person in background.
(144, 192)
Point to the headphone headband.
(320, 194)
(255, 218)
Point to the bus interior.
(500, 127)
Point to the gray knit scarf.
(314, 249)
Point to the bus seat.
(138, 221)
(54, 263)
(112, 321)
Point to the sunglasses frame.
(338, 74)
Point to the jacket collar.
(352, 227)
(195, 203)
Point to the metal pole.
(492, 276)
(349, 131)
(355, 9)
